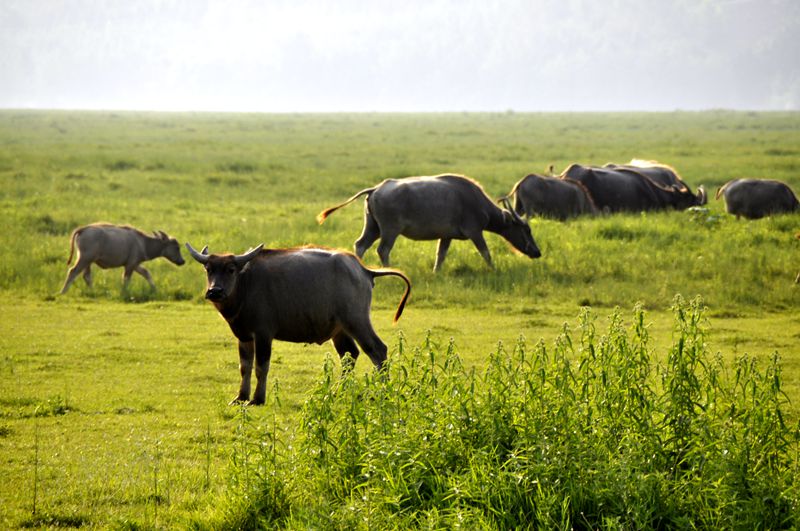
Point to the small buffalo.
(117, 246)
(757, 198)
(442, 207)
(551, 197)
(301, 295)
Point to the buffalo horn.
(514, 215)
(201, 257)
(241, 260)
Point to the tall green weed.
(590, 432)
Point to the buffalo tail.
(325, 213)
(397, 273)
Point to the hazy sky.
(412, 55)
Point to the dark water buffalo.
(663, 176)
(301, 295)
(629, 188)
(756, 198)
(444, 208)
(117, 246)
(551, 197)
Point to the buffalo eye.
(230, 269)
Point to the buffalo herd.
(312, 295)
(634, 187)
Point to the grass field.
(113, 406)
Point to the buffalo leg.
(263, 354)
(87, 275)
(73, 273)
(345, 345)
(441, 252)
(126, 277)
(146, 274)
(480, 243)
(370, 343)
(385, 247)
(368, 236)
(246, 355)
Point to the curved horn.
(508, 206)
(201, 257)
(241, 260)
(515, 218)
(702, 195)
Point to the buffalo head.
(171, 250)
(222, 270)
(517, 231)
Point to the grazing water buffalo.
(118, 246)
(628, 188)
(551, 197)
(756, 198)
(301, 295)
(444, 208)
(663, 176)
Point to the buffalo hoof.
(256, 402)
(238, 401)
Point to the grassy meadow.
(113, 406)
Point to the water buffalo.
(301, 295)
(756, 198)
(664, 176)
(444, 208)
(626, 188)
(117, 246)
(551, 197)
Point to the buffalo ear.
(201, 257)
(243, 259)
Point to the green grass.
(113, 406)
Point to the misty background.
(418, 55)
